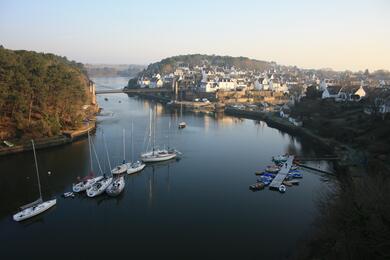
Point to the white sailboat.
(116, 186)
(134, 166)
(38, 206)
(157, 154)
(100, 186)
(118, 183)
(122, 168)
(89, 180)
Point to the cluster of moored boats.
(270, 172)
(112, 184)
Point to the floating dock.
(282, 174)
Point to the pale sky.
(341, 35)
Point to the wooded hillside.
(40, 94)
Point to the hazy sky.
(311, 34)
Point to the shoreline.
(344, 165)
(66, 137)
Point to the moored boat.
(34, 210)
(85, 184)
(38, 206)
(182, 125)
(121, 168)
(99, 187)
(272, 169)
(135, 167)
(280, 158)
(116, 186)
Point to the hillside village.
(270, 88)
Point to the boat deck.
(285, 169)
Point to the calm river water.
(197, 207)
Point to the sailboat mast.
(169, 130)
(154, 127)
(124, 152)
(108, 157)
(36, 168)
(90, 151)
(132, 144)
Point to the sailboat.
(156, 154)
(118, 183)
(116, 186)
(38, 206)
(89, 180)
(100, 186)
(136, 166)
(122, 168)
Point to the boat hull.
(120, 169)
(99, 187)
(84, 185)
(34, 210)
(134, 169)
(158, 158)
(116, 187)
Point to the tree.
(312, 92)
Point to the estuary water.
(196, 207)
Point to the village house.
(156, 82)
(331, 91)
(351, 93)
(261, 83)
(326, 83)
(143, 82)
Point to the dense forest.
(40, 94)
(168, 65)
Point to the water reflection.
(201, 200)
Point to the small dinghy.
(296, 175)
(116, 187)
(294, 182)
(182, 125)
(287, 183)
(272, 169)
(282, 188)
(135, 167)
(265, 180)
(68, 195)
(280, 158)
(99, 187)
(257, 186)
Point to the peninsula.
(42, 96)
